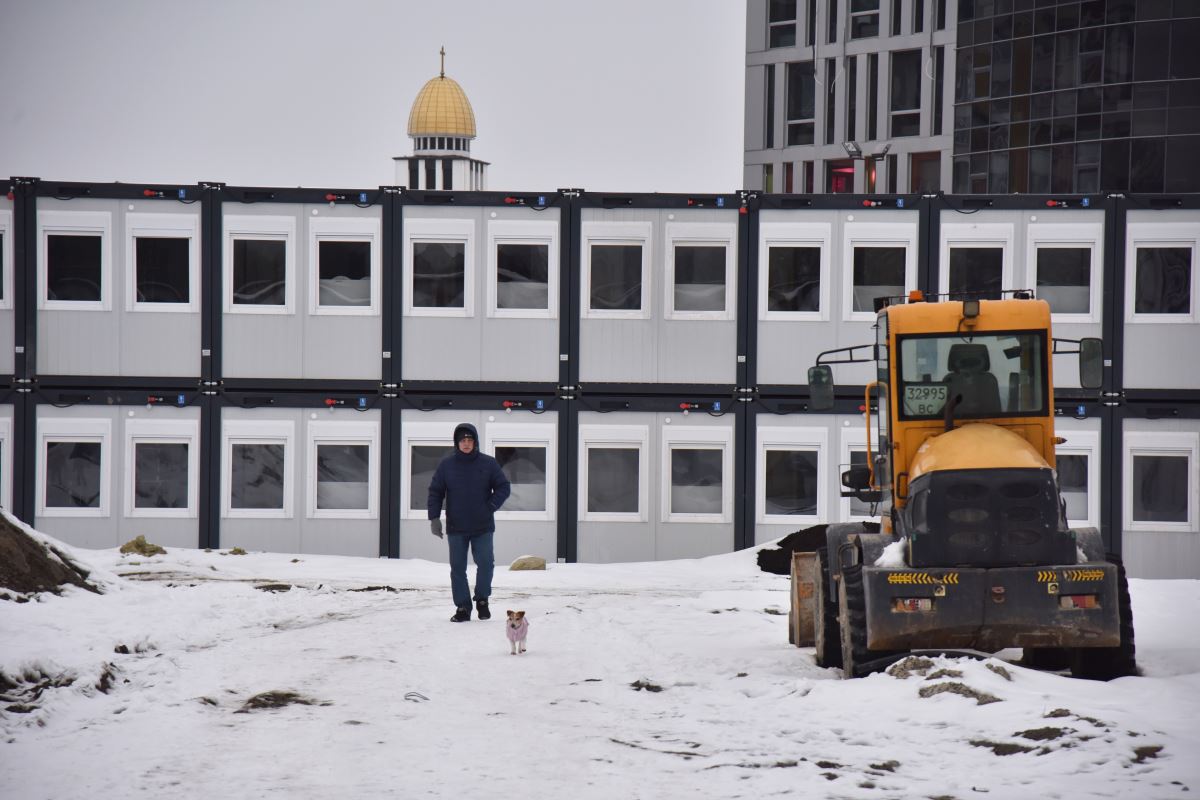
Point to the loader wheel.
(1106, 663)
(856, 658)
(826, 632)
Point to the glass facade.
(1100, 95)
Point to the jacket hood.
(465, 429)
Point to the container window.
(257, 468)
(791, 487)
(1160, 285)
(439, 274)
(1162, 488)
(73, 467)
(614, 479)
(525, 468)
(160, 475)
(74, 267)
(878, 272)
(696, 480)
(259, 272)
(699, 278)
(345, 273)
(794, 278)
(616, 283)
(522, 276)
(976, 272)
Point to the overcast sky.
(613, 95)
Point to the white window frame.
(1161, 234)
(6, 462)
(1085, 443)
(457, 231)
(528, 435)
(528, 232)
(1069, 235)
(791, 234)
(6, 258)
(345, 432)
(701, 234)
(440, 434)
(162, 226)
(344, 229)
(853, 438)
(875, 234)
(254, 431)
(70, 429)
(630, 437)
(981, 236)
(1163, 443)
(260, 228)
(792, 438)
(162, 431)
(614, 233)
(686, 437)
(75, 223)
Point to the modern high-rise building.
(974, 96)
(849, 95)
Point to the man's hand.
(435, 527)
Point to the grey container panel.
(482, 347)
(342, 348)
(303, 344)
(1160, 553)
(78, 343)
(262, 346)
(520, 350)
(696, 351)
(120, 341)
(120, 525)
(653, 537)
(271, 534)
(514, 537)
(618, 351)
(441, 348)
(787, 349)
(604, 541)
(657, 349)
(160, 344)
(1160, 355)
(819, 430)
(7, 342)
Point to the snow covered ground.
(653, 680)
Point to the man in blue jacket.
(473, 487)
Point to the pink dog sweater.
(518, 633)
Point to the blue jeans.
(485, 562)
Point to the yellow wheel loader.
(973, 550)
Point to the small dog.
(516, 630)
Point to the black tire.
(826, 631)
(856, 658)
(1106, 663)
(1050, 659)
(853, 618)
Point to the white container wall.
(302, 294)
(658, 294)
(481, 294)
(525, 444)
(654, 486)
(117, 288)
(300, 480)
(107, 474)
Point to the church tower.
(441, 126)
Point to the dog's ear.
(508, 613)
(520, 615)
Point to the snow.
(406, 704)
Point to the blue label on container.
(362, 197)
(1086, 202)
(540, 404)
(899, 202)
(182, 193)
(717, 406)
(181, 400)
(541, 200)
(1081, 411)
(720, 202)
(362, 402)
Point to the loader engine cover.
(987, 518)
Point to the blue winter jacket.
(472, 485)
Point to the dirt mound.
(29, 566)
(779, 559)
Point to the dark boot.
(481, 607)
(462, 614)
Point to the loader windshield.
(992, 375)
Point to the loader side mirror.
(1091, 363)
(820, 387)
(856, 478)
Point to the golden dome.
(441, 109)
